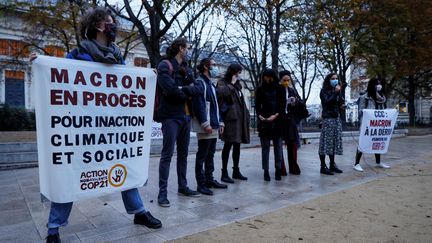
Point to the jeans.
(59, 212)
(204, 156)
(174, 131)
(265, 152)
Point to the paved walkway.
(23, 216)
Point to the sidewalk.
(23, 216)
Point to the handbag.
(195, 124)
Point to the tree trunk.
(411, 100)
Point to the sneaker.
(188, 192)
(382, 165)
(148, 220)
(325, 171)
(53, 238)
(204, 190)
(163, 202)
(216, 184)
(358, 168)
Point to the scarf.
(106, 54)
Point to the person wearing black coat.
(289, 122)
(331, 132)
(269, 106)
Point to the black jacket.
(331, 103)
(177, 88)
(269, 101)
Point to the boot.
(283, 169)
(237, 174)
(278, 174)
(334, 168)
(266, 175)
(324, 170)
(225, 177)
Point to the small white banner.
(94, 123)
(376, 130)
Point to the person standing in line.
(269, 107)
(330, 142)
(236, 117)
(177, 87)
(206, 112)
(374, 98)
(289, 123)
(98, 30)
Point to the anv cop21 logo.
(117, 175)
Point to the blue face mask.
(214, 72)
(188, 56)
(334, 82)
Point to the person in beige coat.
(236, 117)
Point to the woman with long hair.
(269, 108)
(330, 142)
(236, 117)
(374, 98)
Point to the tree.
(398, 46)
(302, 50)
(252, 38)
(155, 18)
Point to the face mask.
(379, 87)
(188, 56)
(334, 82)
(238, 76)
(286, 84)
(110, 31)
(214, 72)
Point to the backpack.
(159, 93)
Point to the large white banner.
(376, 130)
(94, 124)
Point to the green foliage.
(16, 119)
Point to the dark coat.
(331, 103)
(269, 101)
(288, 119)
(235, 113)
(177, 88)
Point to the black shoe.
(225, 177)
(148, 220)
(238, 175)
(216, 184)
(266, 175)
(278, 175)
(188, 192)
(204, 190)
(53, 238)
(334, 168)
(163, 202)
(324, 170)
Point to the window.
(141, 62)
(55, 51)
(13, 48)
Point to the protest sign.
(376, 130)
(94, 125)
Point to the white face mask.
(379, 87)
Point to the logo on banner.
(117, 175)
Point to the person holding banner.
(373, 98)
(207, 123)
(98, 30)
(330, 142)
(177, 86)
